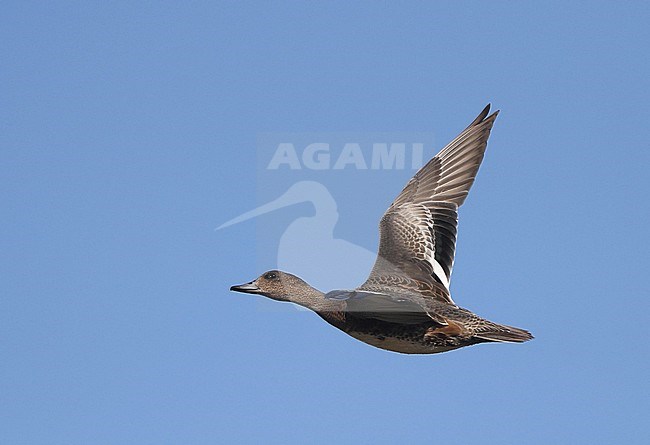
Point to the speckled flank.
(408, 339)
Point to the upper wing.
(418, 231)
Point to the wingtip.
(486, 110)
(488, 118)
(483, 115)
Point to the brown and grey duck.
(405, 304)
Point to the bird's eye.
(270, 276)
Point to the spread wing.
(418, 231)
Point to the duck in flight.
(405, 304)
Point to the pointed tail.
(502, 333)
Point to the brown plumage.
(405, 304)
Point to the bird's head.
(275, 284)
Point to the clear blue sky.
(129, 131)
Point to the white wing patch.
(439, 271)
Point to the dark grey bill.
(248, 288)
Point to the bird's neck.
(315, 300)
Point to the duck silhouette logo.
(308, 246)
